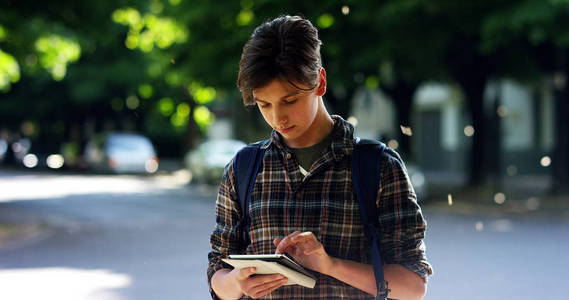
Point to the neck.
(321, 127)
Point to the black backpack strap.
(246, 167)
(366, 166)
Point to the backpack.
(366, 161)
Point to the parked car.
(208, 160)
(121, 153)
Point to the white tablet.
(273, 264)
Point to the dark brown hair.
(287, 48)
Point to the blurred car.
(121, 153)
(419, 181)
(208, 160)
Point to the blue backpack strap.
(366, 163)
(246, 167)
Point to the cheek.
(266, 115)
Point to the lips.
(286, 130)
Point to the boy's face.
(290, 111)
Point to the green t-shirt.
(309, 155)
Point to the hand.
(258, 285)
(305, 248)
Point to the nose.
(280, 117)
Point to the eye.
(290, 101)
(263, 104)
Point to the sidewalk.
(487, 202)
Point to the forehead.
(277, 89)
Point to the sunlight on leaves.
(244, 18)
(55, 53)
(325, 21)
(2, 33)
(149, 31)
(372, 82)
(172, 79)
(166, 106)
(145, 91)
(183, 109)
(204, 118)
(9, 71)
(179, 119)
(202, 95)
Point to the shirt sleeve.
(402, 224)
(225, 238)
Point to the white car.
(121, 153)
(208, 161)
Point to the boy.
(303, 202)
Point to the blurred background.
(117, 118)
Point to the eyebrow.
(282, 98)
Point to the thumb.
(246, 272)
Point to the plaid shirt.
(323, 202)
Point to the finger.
(286, 242)
(270, 289)
(276, 241)
(257, 283)
(306, 242)
(267, 288)
(305, 237)
(260, 280)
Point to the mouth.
(285, 130)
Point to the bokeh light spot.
(30, 161)
(132, 102)
(502, 111)
(166, 106)
(393, 144)
(499, 198)
(55, 161)
(325, 21)
(469, 130)
(479, 226)
(545, 161)
(353, 120)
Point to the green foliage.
(149, 30)
(325, 21)
(202, 95)
(166, 106)
(145, 91)
(2, 33)
(169, 62)
(244, 18)
(55, 53)
(9, 71)
(180, 117)
(204, 118)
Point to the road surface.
(86, 237)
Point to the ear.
(321, 89)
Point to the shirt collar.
(342, 139)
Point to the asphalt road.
(127, 237)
